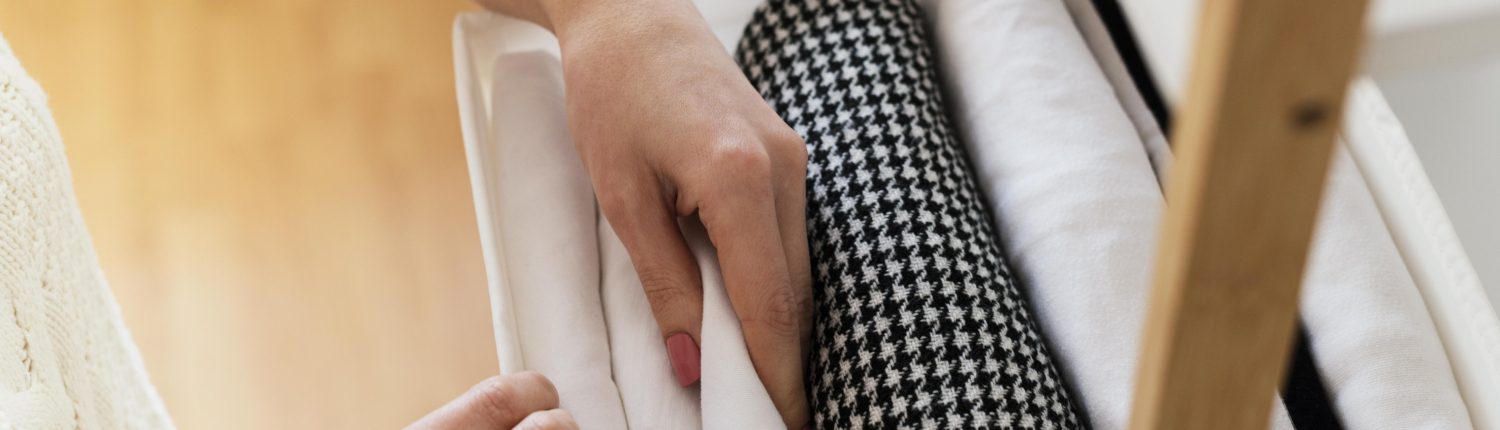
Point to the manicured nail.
(684, 354)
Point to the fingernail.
(684, 354)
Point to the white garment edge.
(1462, 313)
(1096, 34)
(1371, 337)
(545, 213)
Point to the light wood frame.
(1253, 141)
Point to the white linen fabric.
(66, 358)
(1071, 188)
(1096, 35)
(648, 390)
(545, 210)
(1425, 237)
(1368, 328)
(729, 394)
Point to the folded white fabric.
(1368, 328)
(545, 211)
(1096, 35)
(729, 392)
(650, 393)
(1426, 240)
(581, 315)
(1074, 196)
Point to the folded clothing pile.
(1070, 160)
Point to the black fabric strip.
(1303, 393)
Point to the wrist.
(575, 20)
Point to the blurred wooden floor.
(278, 195)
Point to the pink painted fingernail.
(684, 354)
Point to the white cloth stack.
(546, 216)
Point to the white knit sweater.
(66, 361)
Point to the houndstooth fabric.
(919, 322)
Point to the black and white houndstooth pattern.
(919, 322)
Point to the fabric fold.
(1370, 333)
(648, 390)
(545, 212)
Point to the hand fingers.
(742, 222)
(556, 419)
(646, 224)
(498, 402)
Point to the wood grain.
(1253, 142)
(278, 195)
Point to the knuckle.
(789, 143)
(543, 385)
(780, 313)
(664, 289)
(793, 162)
(612, 202)
(743, 162)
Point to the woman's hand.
(523, 401)
(668, 126)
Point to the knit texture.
(66, 361)
(920, 324)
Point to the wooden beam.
(1253, 141)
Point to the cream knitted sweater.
(66, 361)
